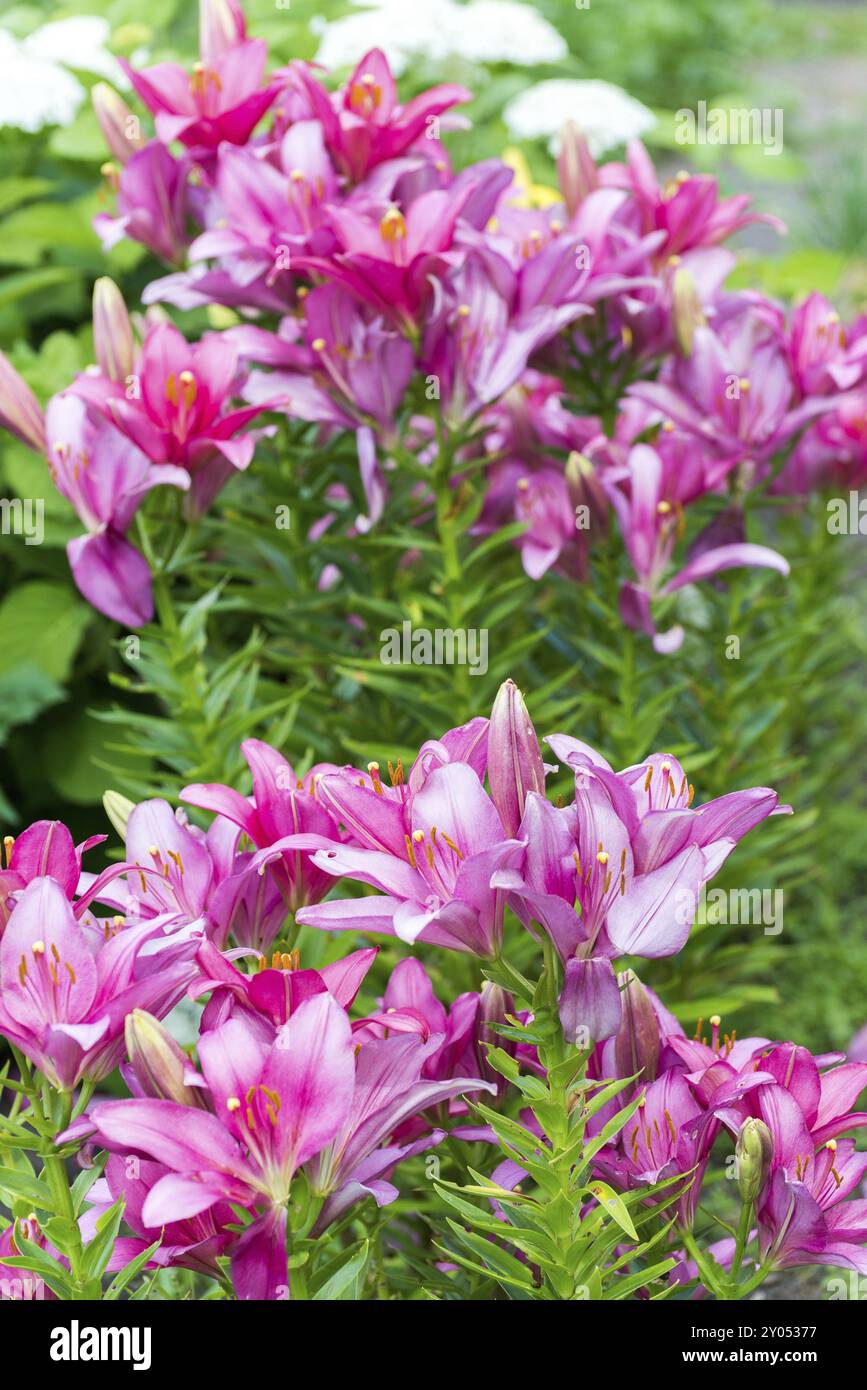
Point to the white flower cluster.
(37, 87)
(605, 114)
(485, 31)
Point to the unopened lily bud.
(159, 1065)
(221, 27)
(496, 1004)
(753, 1151)
(515, 765)
(112, 331)
(20, 412)
(636, 1047)
(118, 809)
(121, 130)
(577, 173)
(687, 313)
(585, 488)
(589, 1004)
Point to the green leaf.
(128, 1273)
(613, 1205)
(41, 625)
(98, 1253)
(345, 1283)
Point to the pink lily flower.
(439, 855)
(105, 477)
(490, 323)
(805, 1218)
(826, 358)
(352, 370)
(263, 211)
(305, 1100)
(196, 1242)
(688, 208)
(46, 849)
(22, 1285)
(153, 203)
(389, 260)
(66, 985)
(176, 869)
(650, 518)
(281, 806)
(363, 124)
(274, 992)
(222, 99)
(660, 1141)
(633, 854)
(176, 415)
(735, 392)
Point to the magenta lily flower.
(153, 203)
(46, 849)
(262, 213)
(22, 1285)
(364, 125)
(487, 329)
(193, 1243)
(661, 1141)
(222, 99)
(687, 208)
(389, 259)
(735, 393)
(805, 1218)
(66, 985)
(105, 477)
(177, 869)
(353, 369)
(650, 519)
(178, 416)
(281, 806)
(303, 1100)
(439, 857)
(274, 992)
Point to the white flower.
(78, 42)
(36, 87)
(606, 114)
(485, 31)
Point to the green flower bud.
(753, 1152)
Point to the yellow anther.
(318, 344)
(38, 948)
(393, 225)
(602, 857)
(669, 426)
(189, 389)
(744, 384)
(418, 836)
(233, 1104)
